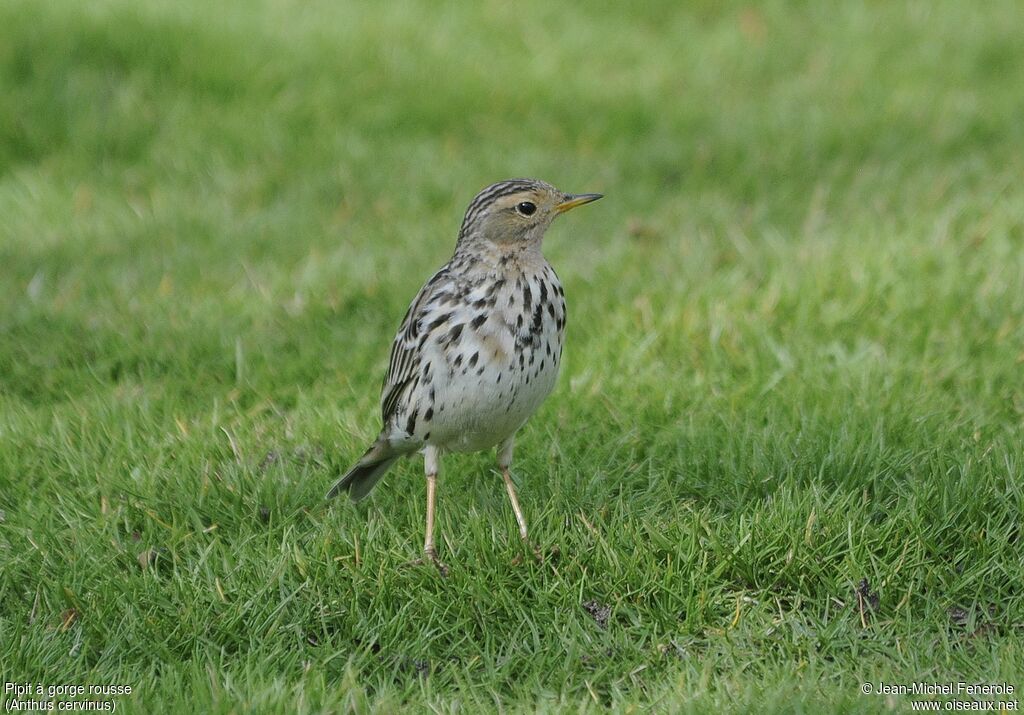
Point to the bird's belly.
(491, 366)
(478, 411)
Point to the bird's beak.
(574, 200)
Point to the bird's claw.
(430, 556)
(538, 555)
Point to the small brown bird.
(479, 348)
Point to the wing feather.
(403, 368)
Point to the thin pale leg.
(430, 464)
(431, 460)
(504, 462)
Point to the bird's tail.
(362, 477)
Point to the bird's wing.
(405, 351)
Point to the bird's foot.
(430, 557)
(538, 555)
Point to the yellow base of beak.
(576, 200)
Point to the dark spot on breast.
(441, 319)
(454, 334)
(473, 359)
(458, 360)
(478, 321)
(538, 320)
(410, 424)
(527, 297)
(429, 414)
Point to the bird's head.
(516, 213)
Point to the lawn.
(785, 456)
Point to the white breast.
(502, 368)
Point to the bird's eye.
(526, 208)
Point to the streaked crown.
(516, 211)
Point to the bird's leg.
(428, 542)
(510, 488)
(504, 462)
(431, 458)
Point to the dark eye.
(526, 208)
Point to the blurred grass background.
(794, 359)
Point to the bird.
(479, 348)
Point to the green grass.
(795, 354)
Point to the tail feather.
(365, 474)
